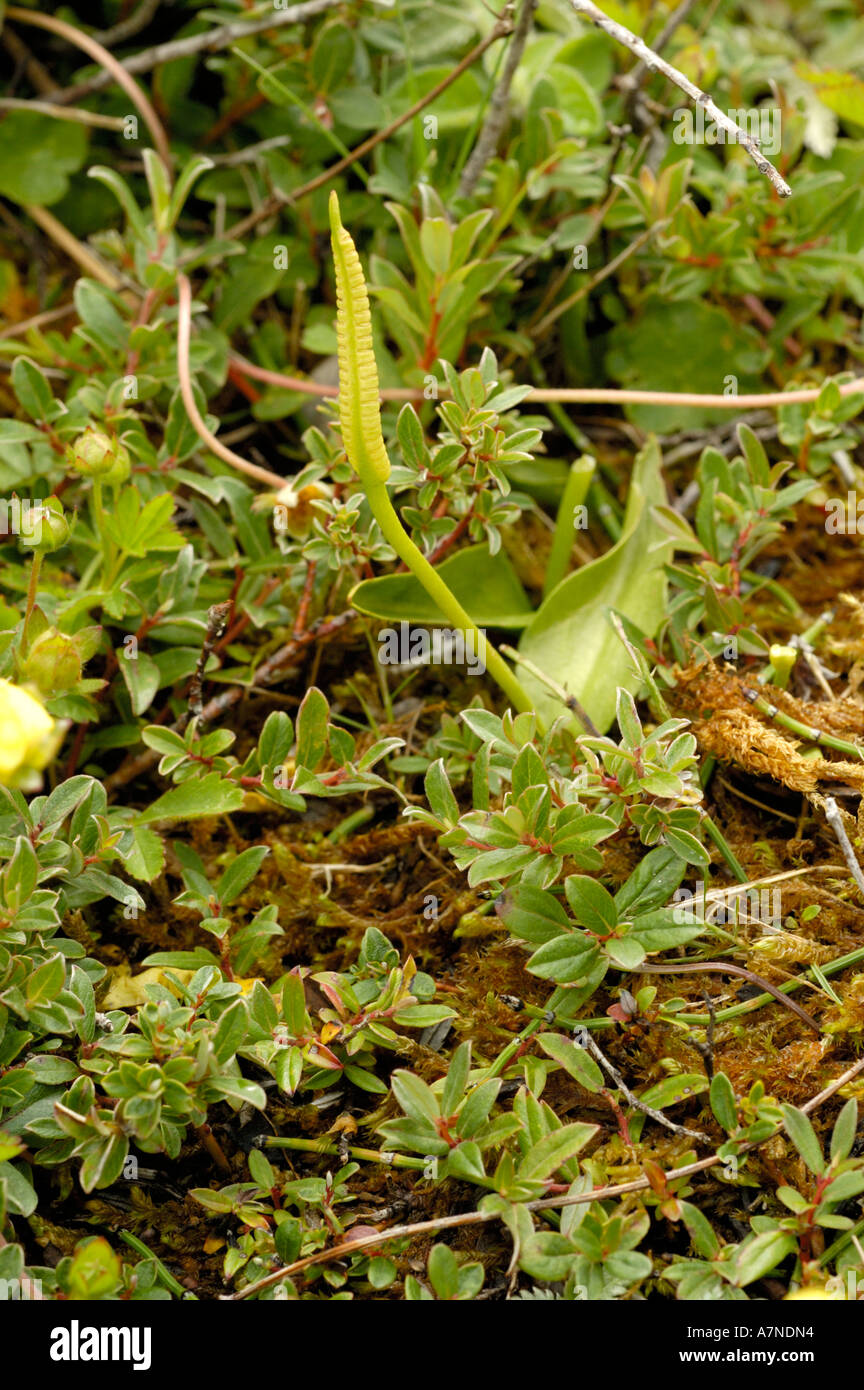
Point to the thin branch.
(587, 395)
(615, 396)
(600, 1194)
(184, 329)
(75, 250)
(281, 379)
(114, 70)
(835, 820)
(38, 320)
(210, 42)
(130, 26)
(249, 153)
(63, 113)
(276, 201)
(217, 621)
(23, 58)
(634, 1101)
(654, 63)
(726, 968)
(602, 274)
(496, 116)
(631, 80)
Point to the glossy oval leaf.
(486, 585)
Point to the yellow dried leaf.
(127, 991)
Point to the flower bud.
(44, 527)
(29, 737)
(96, 455)
(121, 470)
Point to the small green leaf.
(625, 952)
(276, 739)
(439, 793)
(230, 1031)
(294, 1005)
(575, 1060)
(414, 1096)
(466, 1161)
(803, 1136)
(723, 1103)
(593, 907)
(46, 982)
(37, 155)
(240, 873)
(651, 883)
(31, 386)
(757, 1257)
(565, 959)
(312, 724)
(845, 1129)
(436, 242)
(477, 1107)
(842, 1188)
(142, 680)
(532, 914)
(210, 795)
(554, 1149)
(456, 1078)
(705, 1242)
(443, 1271)
(288, 1069)
(673, 1089)
(182, 960)
(146, 858)
(16, 1187)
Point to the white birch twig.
(654, 63)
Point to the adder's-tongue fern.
(360, 419)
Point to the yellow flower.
(29, 738)
(813, 1291)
